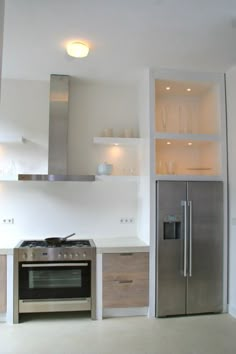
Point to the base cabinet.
(125, 280)
(3, 284)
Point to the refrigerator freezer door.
(204, 287)
(171, 283)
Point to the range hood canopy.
(58, 135)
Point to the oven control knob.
(77, 255)
(59, 255)
(84, 255)
(65, 255)
(71, 255)
(25, 255)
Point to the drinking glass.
(170, 167)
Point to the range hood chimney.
(58, 135)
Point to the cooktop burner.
(42, 243)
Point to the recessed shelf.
(116, 141)
(176, 136)
(188, 177)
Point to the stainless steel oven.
(50, 279)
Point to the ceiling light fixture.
(190, 144)
(168, 88)
(77, 49)
(189, 89)
(168, 143)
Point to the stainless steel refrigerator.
(189, 267)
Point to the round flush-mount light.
(77, 49)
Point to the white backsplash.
(91, 209)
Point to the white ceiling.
(125, 36)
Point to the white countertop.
(7, 245)
(120, 244)
(104, 245)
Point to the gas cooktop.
(64, 244)
(39, 250)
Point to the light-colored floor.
(77, 334)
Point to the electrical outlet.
(127, 220)
(8, 221)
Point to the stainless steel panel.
(58, 124)
(205, 287)
(15, 286)
(58, 265)
(93, 284)
(171, 284)
(31, 306)
(56, 178)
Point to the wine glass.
(181, 119)
(190, 121)
(164, 117)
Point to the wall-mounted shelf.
(117, 178)
(116, 141)
(12, 139)
(6, 178)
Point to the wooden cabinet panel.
(3, 283)
(125, 293)
(121, 263)
(125, 279)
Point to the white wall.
(231, 108)
(93, 108)
(144, 160)
(89, 209)
(2, 3)
(24, 111)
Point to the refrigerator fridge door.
(170, 280)
(205, 283)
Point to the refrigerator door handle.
(184, 204)
(190, 236)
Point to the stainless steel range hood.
(58, 135)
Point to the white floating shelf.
(6, 178)
(116, 141)
(11, 139)
(176, 136)
(117, 178)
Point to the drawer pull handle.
(126, 254)
(124, 281)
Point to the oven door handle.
(43, 265)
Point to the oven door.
(54, 280)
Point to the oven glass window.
(65, 278)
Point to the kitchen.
(92, 210)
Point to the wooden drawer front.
(3, 283)
(125, 279)
(115, 265)
(125, 293)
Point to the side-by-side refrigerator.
(189, 229)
